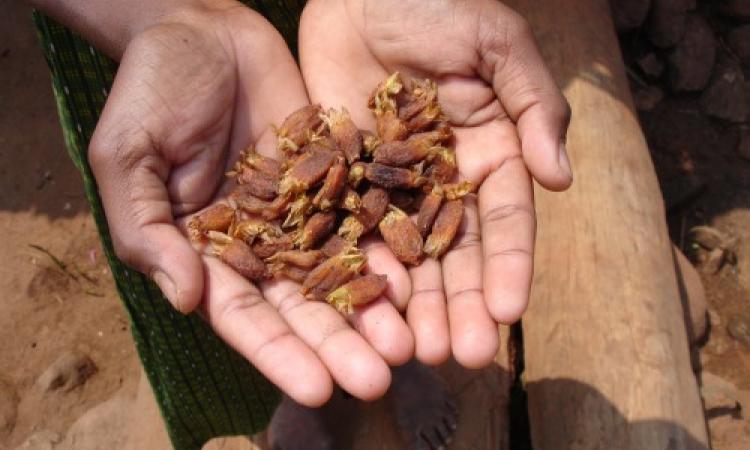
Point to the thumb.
(531, 98)
(131, 178)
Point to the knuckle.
(504, 213)
(238, 305)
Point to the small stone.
(744, 145)
(739, 41)
(629, 14)
(646, 99)
(725, 96)
(8, 408)
(736, 9)
(667, 22)
(718, 392)
(41, 440)
(651, 65)
(739, 328)
(69, 371)
(692, 61)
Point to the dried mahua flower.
(392, 177)
(333, 273)
(401, 236)
(334, 183)
(345, 133)
(428, 210)
(444, 229)
(268, 245)
(334, 245)
(360, 291)
(317, 227)
(299, 258)
(298, 128)
(218, 217)
(258, 184)
(238, 255)
(350, 200)
(307, 170)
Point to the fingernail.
(564, 162)
(167, 288)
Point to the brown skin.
(198, 82)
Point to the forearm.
(111, 24)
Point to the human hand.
(192, 91)
(510, 119)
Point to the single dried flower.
(333, 273)
(393, 177)
(268, 244)
(442, 168)
(217, 217)
(238, 255)
(254, 160)
(334, 184)
(401, 236)
(294, 273)
(299, 258)
(334, 245)
(444, 229)
(428, 210)
(298, 128)
(306, 171)
(258, 184)
(358, 292)
(390, 127)
(345, 133)
(317, 227)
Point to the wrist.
(112, 24)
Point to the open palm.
(189, 95)
(510, 119)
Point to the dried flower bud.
(253, 205)
(356, 174)
(360, 291)
(405, 153)
(454, 191)
(382, 99)
(254, 160)
(393, 177)
(334, 245)
(374, 206)
(237, 255)
(345, 133)
(444, 229)
(249, 229)
(334, 183)
(401, 236)
(307, 170)
(390, 127)
(428, 210)
(369, 142)
(333, 273)
(268, 245)
(258, 184)
(298, 258)
(294, 273)
(351, 229)
(217, 217)
(442, 168)
(317, 227)
(350, 200)
(298, 210)
(298, 128)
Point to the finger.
(385, 330)
(427, 314)
(351, 361)
(530, 96)
(508, 226)
(473, 333)
(239, 315)
(382, 261)
(131, 179)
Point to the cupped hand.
(510, 122)
(192, 91)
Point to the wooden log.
(606, 351)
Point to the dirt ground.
(58, 296)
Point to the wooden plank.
(606, 351)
